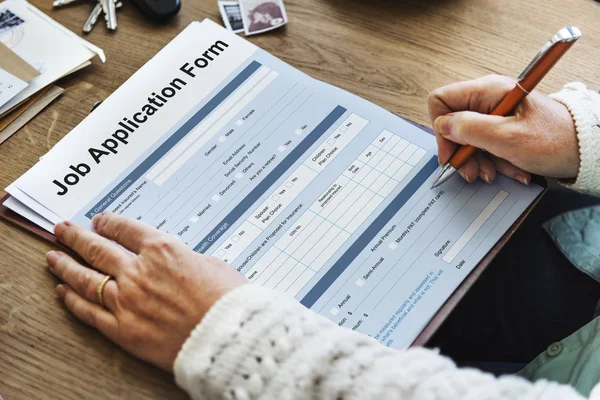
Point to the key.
(95, 14)
(61, 3)
(91, 20)
(110, 13)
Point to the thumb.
(490, 132)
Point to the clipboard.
(440, 316)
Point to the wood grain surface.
(389, 52)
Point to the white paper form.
(10, 86)
(300, 186)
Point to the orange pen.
(527, 81)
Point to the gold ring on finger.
(100, 290)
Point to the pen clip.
(567, 34)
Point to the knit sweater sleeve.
(259, 344)
(584, 106)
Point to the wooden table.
(390, 52)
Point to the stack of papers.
(15, 74)
(299, 185)
(35, 51)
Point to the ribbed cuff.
(584, 106)
(219, 327)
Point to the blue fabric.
(577, 235)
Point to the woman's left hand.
(160, 289)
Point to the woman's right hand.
(540, 137)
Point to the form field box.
(327, 152)
(194, 219)
(271, 269)
(331, 141)
(263, 264)
(408, 152)
(350, 217)
(353, 170)
(391, 143)
(403, 172)
(370, 178)
(239, 122)
(367, 154)
(377, 157)
(333, 203)
(216, 197)
(299, 283)
(281, 149)
(330, 250)
(467, 235)
(388, 188)
(295, 231)
(334, 311)
(287, 193)
(364, 213)
(312, 240)
(298, 132)
(291, 277)
(275, 197)
(394, 167)
(239, 175)
(221, 253)
(379, 183)
(382, 139)
(281, 272)
(385, 162)
(320, 246)
(349, 200)
(393, 245)
(222, 139)
(417, 156)
(360, 282)
(239, 240)
(362, 174)
(310, 229)
(399, 147)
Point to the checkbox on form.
(222, 139)
(239, 175)
(239, 122)
(393, 246)
(360, 282)
(216, 197)
(281, 148)
(334, 311)
(194, 219)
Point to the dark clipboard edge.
(433, 325)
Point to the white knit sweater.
(259, 344)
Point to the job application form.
(300, 186)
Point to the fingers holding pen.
(510, 170)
